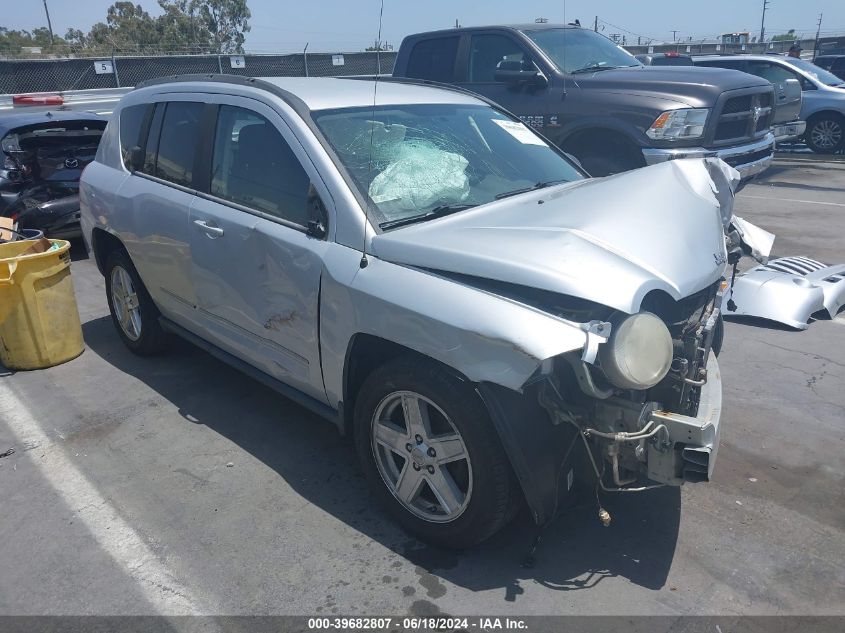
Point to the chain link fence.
(715, 48)
(58, 75)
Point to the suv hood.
(698, 87)
(608, 240)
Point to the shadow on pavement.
(576, 552)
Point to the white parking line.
(830, 204)
(116, 537)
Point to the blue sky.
(346, 25)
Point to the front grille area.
(737, 104)
(743, 117)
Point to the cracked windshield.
(415, 162)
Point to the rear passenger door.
(156, 198)
(256, 269)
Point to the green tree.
(784, 37)
(194, 26)
(127, 28)
(12, 42)
(226, 21)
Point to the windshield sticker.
(520, 132)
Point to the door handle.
(211, 231)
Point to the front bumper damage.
(680, 448)
(788, 290)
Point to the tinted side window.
(433, 59)
(838, 65)
(180, 135)
(771, 72)
(487, 51)
(727, 63)
(824, 62)
(252, 165)
(131, 120)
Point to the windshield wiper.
(595, 68)
(540, 185)
(436, 212)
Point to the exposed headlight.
(638, 353)
(679, 124)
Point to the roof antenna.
(364, 261)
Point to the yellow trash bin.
(39, 320)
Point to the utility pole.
(763, 21)
(674, 33)
(818, 32)
(49, 24)
(596, 25)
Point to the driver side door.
(481, 54)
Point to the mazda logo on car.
(71, 163)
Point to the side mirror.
(136, 158)
(514, 72)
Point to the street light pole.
(49, 24)
(763, 21)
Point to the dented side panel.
(257, 290)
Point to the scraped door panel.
(256, 272)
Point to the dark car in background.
(670, 58)
(595, 101)
(832, 63)
(42, 156)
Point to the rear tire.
(133, 312)
(453, 487)
(825, 133)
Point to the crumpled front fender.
(485, 337)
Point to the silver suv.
(492, 326)
(823, 93)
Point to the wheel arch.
(364, 354)
(103, 244)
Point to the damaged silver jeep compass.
(491, 325)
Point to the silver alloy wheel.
(124, 300)
(826, 134)
(421, 456)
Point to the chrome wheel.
(124, 300)
(421, 456)
(826, 134)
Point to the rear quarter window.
(131, 120)
(433, 59)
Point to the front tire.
(431, 454)
(825, 133)
(133, 312)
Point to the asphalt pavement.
(177, 485)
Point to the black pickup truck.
(596, 101)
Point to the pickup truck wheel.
(431, 454)
(612, 160)
(132, 309)
(825, 133)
